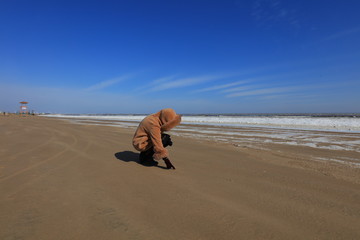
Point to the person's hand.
(168, 163)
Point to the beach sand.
(60, 180)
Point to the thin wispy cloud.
(107, 83)
(218, 87)
(233, 86)
(179, 83)
(246, 86)
(162, 80)
(291, 92)
(154, 83)
(287, 96)
(271, 12)
(237, 89)
(343, 34)
(264, 91)
(335, 36)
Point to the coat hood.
(168, 119)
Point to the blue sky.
(261, 56)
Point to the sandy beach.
(60, 180)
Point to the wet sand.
(60, 180)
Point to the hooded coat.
(148, 133)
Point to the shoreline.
(63, 180)
(335, 124)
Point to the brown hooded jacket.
(148, 134)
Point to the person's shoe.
(146, 155)
(150, 163)
(146, 158)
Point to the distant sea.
(348, 122)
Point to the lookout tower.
(24, 108)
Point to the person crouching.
(150, 139)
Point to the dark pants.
(148, 154)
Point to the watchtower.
(24, 108)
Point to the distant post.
(24, 108)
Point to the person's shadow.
(129, 156)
